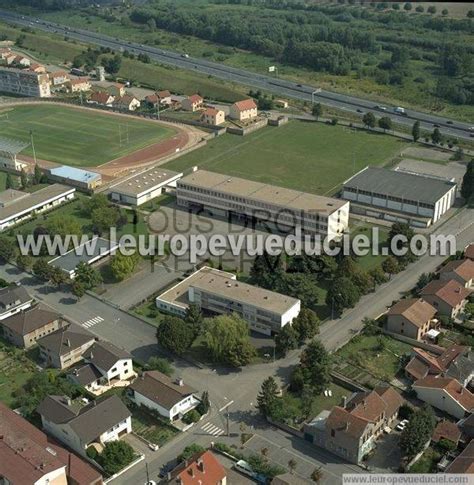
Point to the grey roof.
(66, 339)
(462, 367)
(161, 389)
(85, 374)
(10, 196)
(8, 145)
(145, 181)
(29, 320)
(84, 253)
(104, 355)
(400, 184)
(88, 422)
(13, 295)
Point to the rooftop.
(161, 389)
(245, 105)
(452, 387)
(29, 320)
(10, 196)
(400, 184)
(13, 295)
(26, 204)
(224, 284)
(415, 310)
(462, 267)
(105, 355)
(464, 463)
(66, 339)
(76, 174)
(451, 292)
(8, 145)
(446, 430)
(270, 194)
(202, 468)
(145, 181)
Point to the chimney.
(180, 382)
(344, 401)
(191, 471)
(346, 425)
(201, 465)
(68, 343)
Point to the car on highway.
(186, 56)
(359, 110)
(436, 125)
(471, 128)
(449, 122)
(399, 110)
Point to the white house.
(157, 391)
(13, 299)
(79, 427)
(446, 394)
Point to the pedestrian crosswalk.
(93, 321)
(212, 429)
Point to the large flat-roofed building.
(141, 188)
(399, 196)
(25, 82)
(224, 196)
(23, 207)
(82, 179)
(219, 292)
(88, 253)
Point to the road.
(279, 86)
(241, 387)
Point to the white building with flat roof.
(219, 292)
(143, 187)
(224, 195)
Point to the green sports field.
(312, 157)
(78, 137)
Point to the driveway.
(387, 455)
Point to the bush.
(405, 411)
(191, 417)
(189, 451)
(116, 456)
(92, 453)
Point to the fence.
(416, 343)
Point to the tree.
(9, 182)
(369, 119)
(431, 9)
(104, 218)
(266, 270)
(420, 9)
(407, 6)
(63, 226)
(315, 364)
(317, 110)
(467, 186)
(7, 248)
(317, 475)
(300, 286)
(371, 327)
(306, 325)
(342, 293)
(436, 136)
(88, 276)
(470, 14)
(160, 364)
(390, 266)
(97, 201)
(378, 275)
(24, 261)
(42, 269)
(173, 334)
(399, 239)
(24, 179)
(286, 340)
(292, 465)
(190, 451)
(115, 456)
(226, 338)
(268, 396)
(123, 266)
(57, 276)
(78, 290)
(444, 12)
(418, 431)
(194, 318)
(385, 123)
(37, 175)
(205, 403)
(423, 280)
(415, 131)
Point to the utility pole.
(33, 146)
(158, 109)
(226, 408)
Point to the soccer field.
(80, 137)
(312, 157)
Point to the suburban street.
(240, 387)
(279, 86)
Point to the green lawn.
(381, 356)
(312, 157)
(370, 261)
(3, 179)
(79, 137)
(427, 463)
(152, 429)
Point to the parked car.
(243, 467)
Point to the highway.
(281, 87)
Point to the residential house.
(350, 431)
(446, 430)
(448, 296)
(212, 116)
(13, 299)
(446, 394)
(24, 328)
(164, 97)
(105, 366)
(79, 427)
(463, 463)
(102, 98)
(116, 89)
(21, 61)
(245, 110)
(24, 82)
(170, 398)
(65, 347)
(192, 103)
(202, 468)
(461, 270)
(126, 102)
(39, 68)
(80, 84)
(58, 78)
(469, 252)
(456, 361)
(411, 317)
(29, 456)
